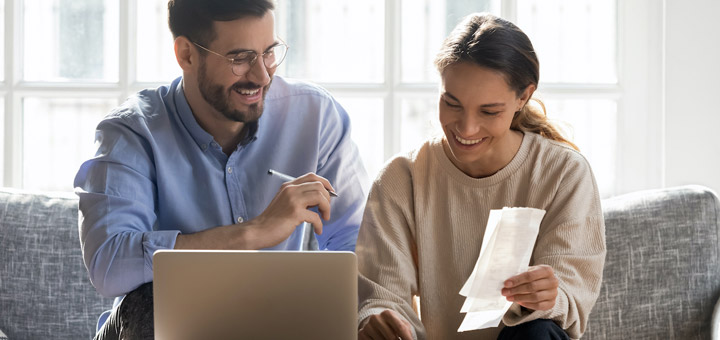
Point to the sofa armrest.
(45, 292)
(661, 277)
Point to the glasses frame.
(251, 63)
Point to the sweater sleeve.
(572, 241)
(386, 248)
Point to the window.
(379, 53)
(576, 41)
(68, 62)
(385, 62)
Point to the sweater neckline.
(447, 165)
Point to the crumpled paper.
(506, 249)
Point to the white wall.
(692, 90)
(640, 161)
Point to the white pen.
(288, 178)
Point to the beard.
(219, 97)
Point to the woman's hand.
(387, 325)
(534, 289)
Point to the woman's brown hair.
(495, 43)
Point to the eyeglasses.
(243, 61)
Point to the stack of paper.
(506, 249)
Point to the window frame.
(639, 158)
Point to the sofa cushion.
(662, 276)
(44, 287)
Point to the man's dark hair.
(194, 18)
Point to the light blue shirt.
(157, 173)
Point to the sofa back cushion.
(662, 271)
(45, 292)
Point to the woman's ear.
(184, 53)
(526, 95)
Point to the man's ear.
(185, 53)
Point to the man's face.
(238, 98)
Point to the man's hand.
(290, 207)
(534, 289)
(387, 325)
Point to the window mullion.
(127, 41)
(508, 10)
(392, 77)
(590, 91)
(12, 171)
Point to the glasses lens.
(239, 69)
(275, 56)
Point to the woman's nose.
(468, 125)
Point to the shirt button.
(229, 170)
(204, 146)
(240, 219)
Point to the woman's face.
(476, 109)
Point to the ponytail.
(534, 119)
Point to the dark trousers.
(540, 329)
(132, 319)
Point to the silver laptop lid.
(254, 295)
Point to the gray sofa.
(45, 292)
(662, 274)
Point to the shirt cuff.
(154, 241)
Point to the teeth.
(248, 92)
(468, 141)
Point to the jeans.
(132, 319)
(540, 329)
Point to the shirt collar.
(202, 138)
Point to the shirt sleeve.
(340, 163)
(387, 250)
(117, 208)
(571, 240)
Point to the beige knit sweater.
(424, 223)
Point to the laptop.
(206, 294)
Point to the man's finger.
(312, 177)
(312, 187)
(314, 219)
(315, 195)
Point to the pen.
(288, 178)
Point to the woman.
(426, 214)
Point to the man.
(185, 166)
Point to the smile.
(247, 92)
(468, 141)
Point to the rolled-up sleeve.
(117, 209)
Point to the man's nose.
(258, 73)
